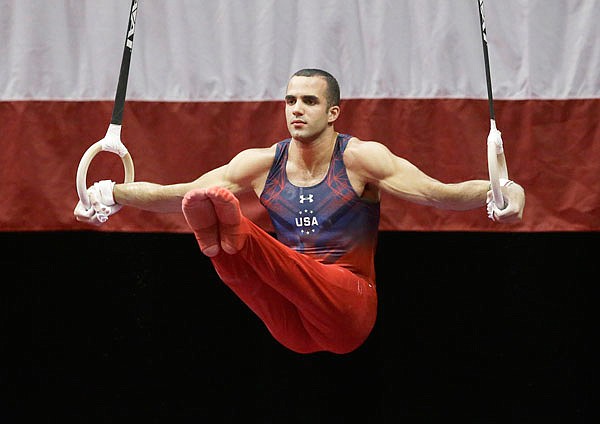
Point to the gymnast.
(313, 284)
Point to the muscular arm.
(246, 171)
(165, 198)
(373, 163)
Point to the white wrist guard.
(104, 191)
(492, 209)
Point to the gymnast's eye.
(310, 100)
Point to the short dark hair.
(333, 88)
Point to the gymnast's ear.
(333, 114)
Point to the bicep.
(402, 179)
(397, 176)
(218, 177)
(243, 173)
(406, 181)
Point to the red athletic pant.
(306, 305)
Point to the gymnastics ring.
(497, 169)
(110, 143)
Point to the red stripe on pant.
(306, 305)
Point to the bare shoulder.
(363, 149)
(366, 155)
(257, 156)
(251, 164)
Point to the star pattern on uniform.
(306, 212)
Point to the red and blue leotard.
(313, 286)
(327, 221)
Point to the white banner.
(222, 50)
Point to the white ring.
(496, 164)
(84, 164)
(494, 174)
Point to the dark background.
(472, 328)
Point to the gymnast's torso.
(329, 220)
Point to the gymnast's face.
(306, 110)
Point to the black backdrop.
(112, 327)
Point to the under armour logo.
(309, 198)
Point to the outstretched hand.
(102, 204)
(514, 197)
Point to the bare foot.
(200, 215)
(229, 215)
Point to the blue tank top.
(327, 221)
